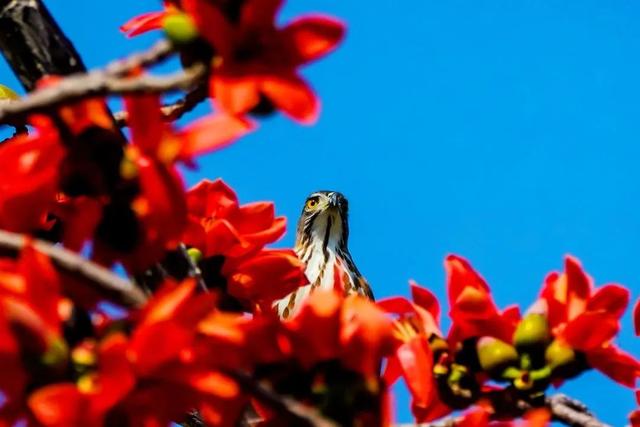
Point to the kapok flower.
(257, 59)
(218, 225)
(588, 319)
(417, 328)
(265, 276)
(30, 177)
(473, 311)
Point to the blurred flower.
(588, 320)
(473, 311)
(417, 327)
(218, 225)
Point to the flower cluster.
(568, 330)
(207, 344)
(255, 62)
(178, 353)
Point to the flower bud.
(195, 254)
(180, 28)
(495, 355)
(559, 354)
(56, 354)
(532, 331)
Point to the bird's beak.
(333, 200)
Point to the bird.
(321, 244)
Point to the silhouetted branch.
(298, 412)
(563, 409)
(104, 281)
(33, 43)
(99, 83)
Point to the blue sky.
(506, 132)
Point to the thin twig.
(107, 283)
(174, 111)
(572, 412)
(284, 405)
(564, 409)
(194, 270)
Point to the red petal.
(476, 417)
(255, 278)
(396, 305)
(212, 199)
(260, 14)
(212, 133)
(292, 96)
(313, 37)
(166, 302)
(234, 94)
(616, 364)
(59, 405)
(116, 378)
(320, 313)
(212, 24)
(143, 23)
(461, 275)
(416, 361)
(579, 287)
(145, 122)
(425, 299)
(591, 330)
(611, 299)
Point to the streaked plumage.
(321, 243)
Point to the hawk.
(321, 243)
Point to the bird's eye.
(311, 204)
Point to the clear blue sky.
(504, 131)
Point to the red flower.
(418, 322)
(257, 59)
(153, 377)
(29, 177)
(265, 276)
(147, 21)
(473, 311)
(350, 329)
(218, 225)
(588, 319)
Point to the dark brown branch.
(33, 43)
(303, 415)
(104, 281)
(564, 409)
(98, 83)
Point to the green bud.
(495, 355)
(56, 353)
(532, 331)
(180, 28)
(195, 254)
(558, 355)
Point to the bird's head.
(324, 218)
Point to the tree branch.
(33, 43)
(98, 83)
(298, 412)
(563, 409)
(107, 283)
